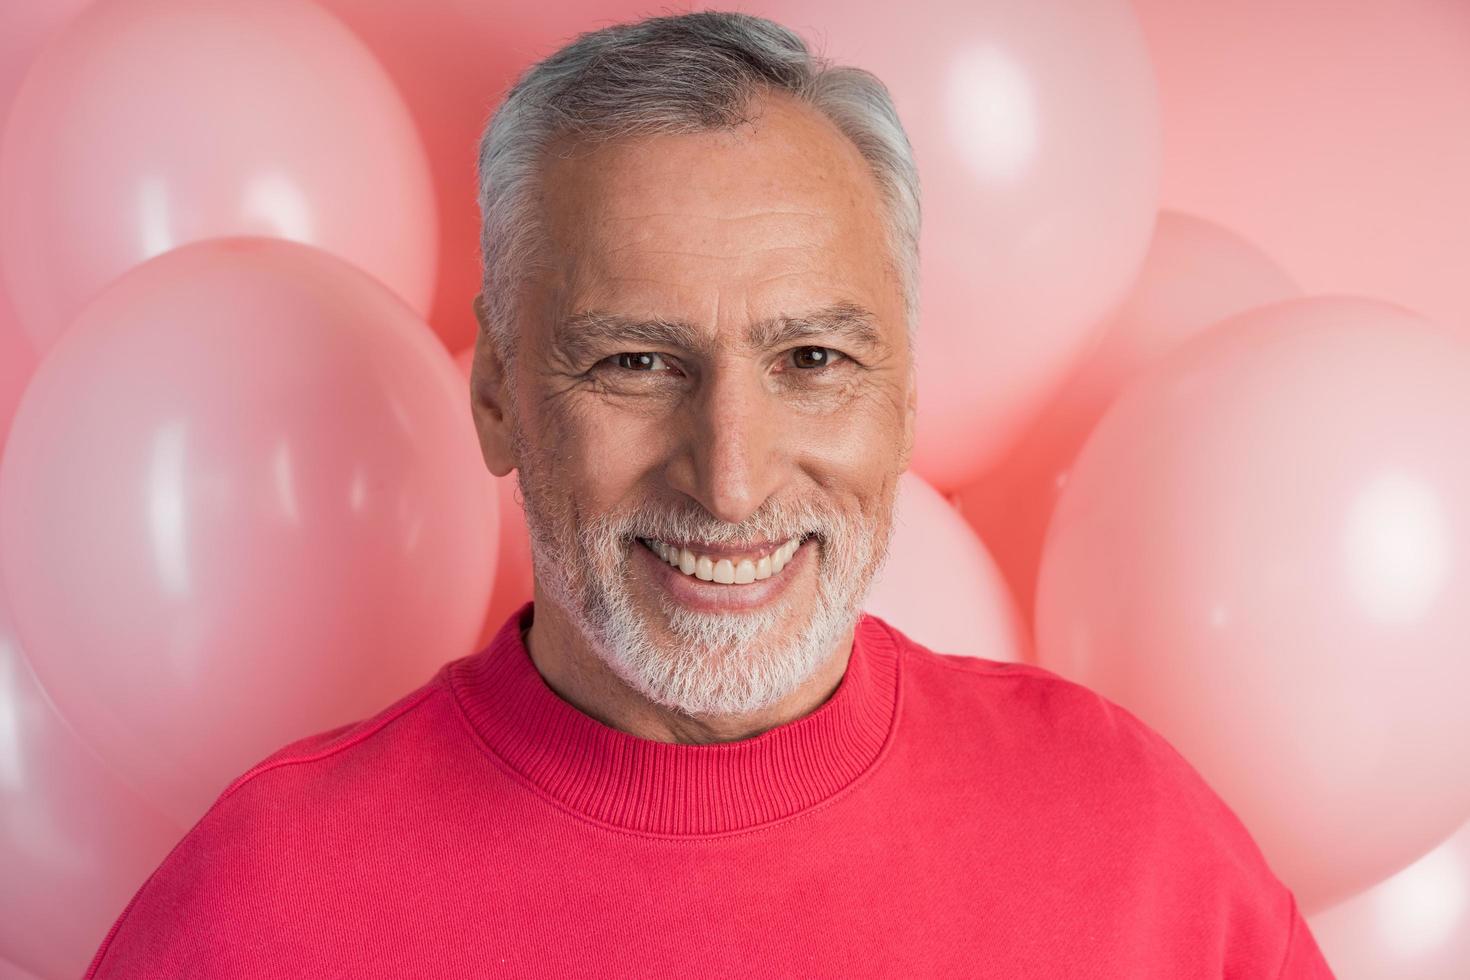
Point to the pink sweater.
(937, 816)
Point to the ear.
(489, 391)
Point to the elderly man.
(693, 754)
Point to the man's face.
(711, 404)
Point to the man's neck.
(579, 677)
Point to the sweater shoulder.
(1049, 726)
(1006, 693)
(1037, 714)
(1026, 731)
(239, 853)
(341, 744)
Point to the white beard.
(728, 663)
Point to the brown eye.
(814, 357)
(640, 361)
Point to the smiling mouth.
(726, 569)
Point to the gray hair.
(688, 73)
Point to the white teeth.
(726, 571)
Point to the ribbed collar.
(668, 788)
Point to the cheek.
(857, 450)
(603, 455)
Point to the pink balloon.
(939, 584)
(75, 842)
(1196, 274)
(17, 364)
(1414, 924)
(453, 62)
(514, 580)
(1264, 553)
(1035, 128)
(9, 971)
(25, 27)
(240, 505)
(147, 124)
(1332, 133)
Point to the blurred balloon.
(1264, 552)
(75, 843)
(238, 507)
(939, 585)
(1196, 274)
(1331, 132)
(1035, 128)
(453, 63)
(514, 582)
(9, 971)
(147, 124)
(1415, 924)
(17, 364)
(25, 27)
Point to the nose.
(732, 458)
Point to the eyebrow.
(582, 335)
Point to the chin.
(725, 663)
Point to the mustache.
(681, 522)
